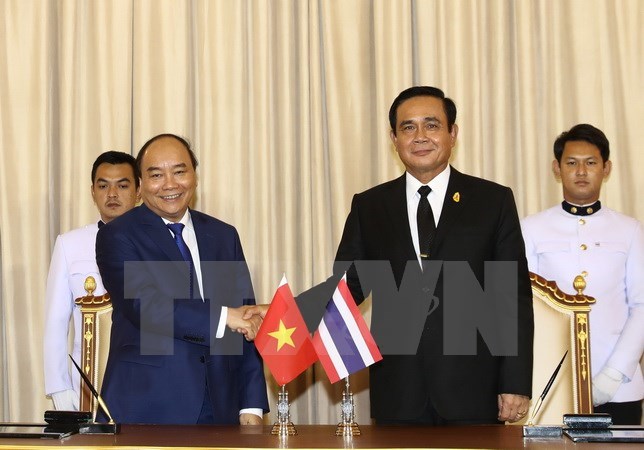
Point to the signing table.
(308, 437)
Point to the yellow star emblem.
(283, 336)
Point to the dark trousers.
(624, 413)
(206, 415)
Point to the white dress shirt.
(190, 238)
(436, 198)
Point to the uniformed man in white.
(582, 236)
(115, 190)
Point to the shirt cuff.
(257, 411)
(614, 374)
(221, 328)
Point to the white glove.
(605, 385)
(65, 400)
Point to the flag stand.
(283, 426)
(347, 427)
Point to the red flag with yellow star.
(283, 339)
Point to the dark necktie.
(177, 229)
(425, 220)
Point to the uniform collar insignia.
(581, 210)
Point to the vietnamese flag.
(283, 339)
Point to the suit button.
(582, 222)
(202, 359)
(583, 246)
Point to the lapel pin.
(457, 197)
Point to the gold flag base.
(283, 429)
(347, 429)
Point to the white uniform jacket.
(72, 261)
(609, 248)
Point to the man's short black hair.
(113, 157)
(423, 91)
(583, 132)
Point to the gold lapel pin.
(457, 197)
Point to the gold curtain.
(286, 104)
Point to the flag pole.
(283, 427)
(347, 425)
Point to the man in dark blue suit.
(177, 279)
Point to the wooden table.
(308, 437)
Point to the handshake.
(246, 319)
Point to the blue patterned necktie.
(177, 229)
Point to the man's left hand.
(255, 310)
(512, 407)
(250, 419)
(605, 385)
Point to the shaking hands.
(246, 319)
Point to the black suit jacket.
(478, 223)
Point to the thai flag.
(343, 341)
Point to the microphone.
(96, 428)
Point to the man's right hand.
(65, 400)
(241, 321)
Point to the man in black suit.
(476, 221)
(468, 223)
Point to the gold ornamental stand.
(283, 427)
(91, 306)
(347, 426)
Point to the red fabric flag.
(283, 339)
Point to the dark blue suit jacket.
(163, 348)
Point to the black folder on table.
(611, 434)
(33, 430)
